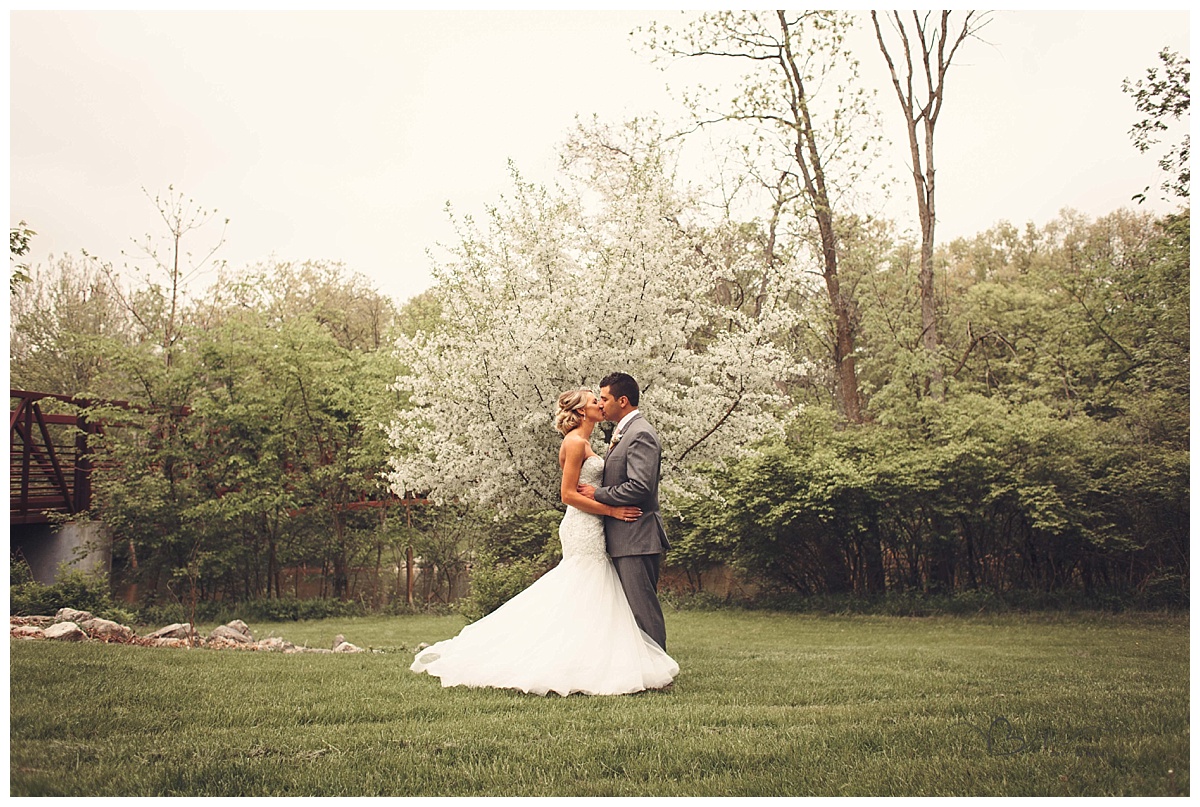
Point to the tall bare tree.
(928, 45)
(160, 313)
(790, 56)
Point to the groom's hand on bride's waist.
(587, 490)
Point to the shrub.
(289, 608)
(513, 554)
(695, 600)
(284, 609)
(434, 608)
(73, 589)
(1164, 590)
(494, 585)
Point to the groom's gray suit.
(631, 471)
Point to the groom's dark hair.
(622, 385)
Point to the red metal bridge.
(48, 457)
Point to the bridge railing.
(49, 458)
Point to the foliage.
(609, 272)
(281, 439)
(1164, 98)
(1057, 462)
(71, 589)
(243, 429)
(18, 245)
(281, 609)
(64, 329)
(446, 541)
(514, 553)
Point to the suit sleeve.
(642, 459)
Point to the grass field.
(767, 704)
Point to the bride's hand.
(627, 513)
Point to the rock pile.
(69, 625)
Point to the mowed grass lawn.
(767, 704)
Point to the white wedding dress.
(571, 631)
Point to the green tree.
(295, 398)
(18, 246)
(1163, 98)
(257, 436)
(63, 324)
(1056, 464)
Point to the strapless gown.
(571, 631)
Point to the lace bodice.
(582, 534)
(592, 471)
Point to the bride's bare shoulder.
(574, 448)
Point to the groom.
(631, 470)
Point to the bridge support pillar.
(82, 545)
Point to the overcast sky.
(342, 135)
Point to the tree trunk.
(808, 158)
(934, 65)
(272, 568)
(340, 575)
(408, 575)
(872, 549)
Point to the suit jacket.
(631, 472)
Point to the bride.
(572, 630)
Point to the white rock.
(177, 630)
(107, 629)
(241, 627)
(275, 643)
(65, 632)
(71, 615)
(230, 634)
(346, 647)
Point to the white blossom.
(612, 272)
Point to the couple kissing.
(592, 624)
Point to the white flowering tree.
(610, 271)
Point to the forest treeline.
(1056, 461)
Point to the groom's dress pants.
(639, 578)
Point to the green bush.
(401, 608)
(288, 608)
(18, 571)
(961, 603)
(494, 585)
(513, 554)
(163, 614)
(273, 610)
(1164, 591)
(695, 600)
(73, 589)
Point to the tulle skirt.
(571, 631)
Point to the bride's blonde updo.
(570, 410)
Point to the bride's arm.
(574, 453)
